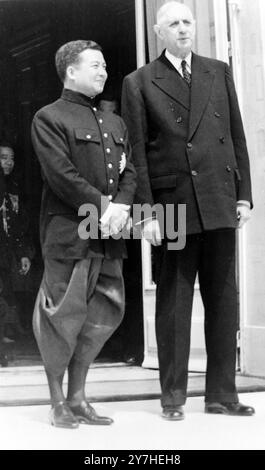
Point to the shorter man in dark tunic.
(85, 159)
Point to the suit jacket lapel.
(170, 82)
(202, 81)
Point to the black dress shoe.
(62, 417)
(173, 415)
(86, 414)
(232, 409)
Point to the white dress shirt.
(176, 62)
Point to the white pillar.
(140, 33)
(221, 35)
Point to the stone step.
(109, 382)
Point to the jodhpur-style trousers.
(79, 305)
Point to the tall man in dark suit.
(85, 159)
(189, 148)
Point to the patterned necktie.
(186, 74)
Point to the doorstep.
(105, 382)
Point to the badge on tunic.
(122, 163)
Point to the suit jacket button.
(222, 140)
(189, 145)
(194, 173)
(228, 168)
(179, 119)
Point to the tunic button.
(121, 139)
(88, 136)
(179, 119)
(105, 135)
(95, 109)
(110, 165)
(111, 181)
(194, 173)
(110, 197)
(228, 168)
(189, 145)
(108, 150)
(100, 121)
(217, 114)
(222, 140)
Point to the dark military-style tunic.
(85, 158)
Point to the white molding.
(254, 347)
(234, 13)
(221, 34)
(140, 33)
(262, 27)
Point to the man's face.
(90, 74)
(177, 30)
(6, 160)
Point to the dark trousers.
(79, 305)
(212, 256)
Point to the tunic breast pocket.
(83, 135)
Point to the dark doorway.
(31, 32)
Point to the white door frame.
(234, 10)
(140, 33)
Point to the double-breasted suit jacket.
(85, 158)
(188, 143)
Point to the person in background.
(15, 252)
(3, 316)
(189, 148)
(109, 105)
(127, 343)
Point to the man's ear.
(157, 30)
(70, 72)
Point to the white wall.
(248, 17)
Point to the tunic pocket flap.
(167, 181)
(117, 137)
(89, 135)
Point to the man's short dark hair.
(68, 54)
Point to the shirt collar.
(176, 61)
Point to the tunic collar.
(75, 97)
